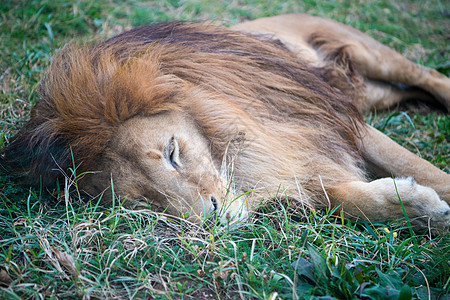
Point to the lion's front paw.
(424, 203)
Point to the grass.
(69, 248)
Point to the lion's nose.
(212, 215)
(214, 202)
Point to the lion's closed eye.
(173, 153)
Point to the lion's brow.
(154, 154)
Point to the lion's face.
(166, 161)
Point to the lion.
(204, 121)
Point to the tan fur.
(199, 120)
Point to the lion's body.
(176, 113)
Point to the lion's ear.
(36, 158)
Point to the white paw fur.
(424, 201)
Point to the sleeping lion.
(204, 121)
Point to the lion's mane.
(242, 86)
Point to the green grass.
(67, 248)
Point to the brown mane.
(88, 91)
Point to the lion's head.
(186, 117)
(166, 161)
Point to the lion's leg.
(383, 64)
(382, 95)
(314, 39)
(388, 158)
(379, 201)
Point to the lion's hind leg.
(381, 67)
(379, 200)
(322, 41)
(383, 95)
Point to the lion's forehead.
(149, 135)
(148, 130)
